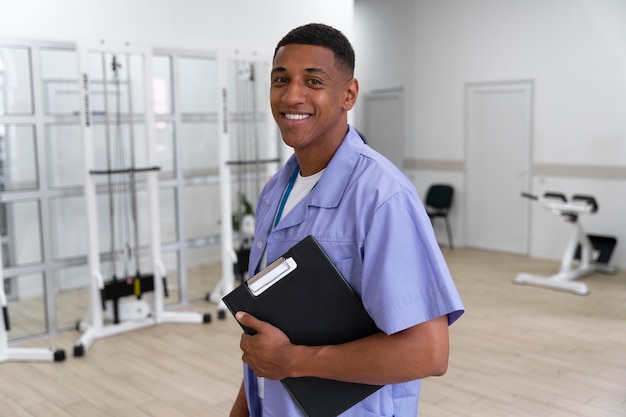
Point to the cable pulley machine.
(239, 82)
(121, 173)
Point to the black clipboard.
(304, 294)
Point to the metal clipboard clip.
(271, 275)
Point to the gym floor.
(518, 351)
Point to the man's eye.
(315, 82)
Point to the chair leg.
(449, 233)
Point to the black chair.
(438, 203)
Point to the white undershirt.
(301, 188)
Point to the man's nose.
(295, 93)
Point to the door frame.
(396, 154)
(501, 87)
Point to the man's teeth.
(296, 116)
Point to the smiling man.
(368, 218)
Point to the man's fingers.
(248, 320)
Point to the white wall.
(574, 50)
(383, 34)
(245, 25)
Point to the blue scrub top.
(370, 221)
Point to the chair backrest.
(439, 196)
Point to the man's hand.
(269, 352)
(414, 353)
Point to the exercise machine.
(121, 173)
(246, 166)
(20, 354)
(579, 246)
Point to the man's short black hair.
(326, 36)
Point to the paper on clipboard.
(270, 275)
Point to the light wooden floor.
(518, 351)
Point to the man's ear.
(351, 93)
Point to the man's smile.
(296, 116)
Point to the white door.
(384, 124)
(498, 142)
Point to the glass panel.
(68, 227)
(114, 151)
(165, 155)
(167, 209)
(168, 212)
(72, 297)
(202, 211)
(112, 78)
(18, 156)
(122, 238)
(65, 155)
(16, 95)
(97, 64)
(20, 230)
(198, 85)
(26, 305)
(118, 146)
(248, 142)
(204, 270)
(162, 84)
(134, 76)
(199, 148)
(249, 84)
(68, 215)
(59, 72)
